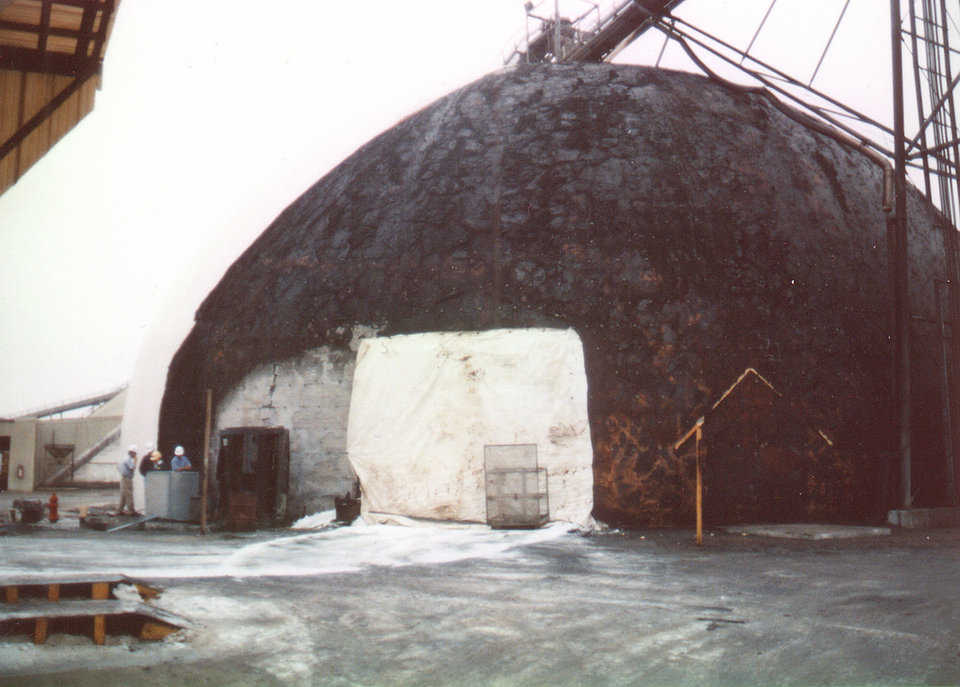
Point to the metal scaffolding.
(927, 33)
(927, 30)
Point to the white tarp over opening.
(424, 405)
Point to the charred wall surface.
(685, 231)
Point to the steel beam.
(45, 61)
(901, 295)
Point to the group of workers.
(151, 460)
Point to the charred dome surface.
(685, 231)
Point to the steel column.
(901, 295)
(919, 95)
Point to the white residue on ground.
(329, 550)
(320, 551)
(315, 521)
(353, 548)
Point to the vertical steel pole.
(950, 247)
(208, 403)
(953, 285)
(919, 94)
(901, 285)
(699, 489)
(945, 399)
(556, 31)
(948, 75)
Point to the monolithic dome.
(686, 231)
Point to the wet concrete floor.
(401, 606)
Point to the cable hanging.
(829, 41)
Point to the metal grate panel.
(516, 488)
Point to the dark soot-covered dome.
(685, 230)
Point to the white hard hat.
(133, 448)
(178, 451)
(148, 446)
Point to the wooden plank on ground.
(146, 589)
(65, 578)
(31, 610)
(133, 523)
(147, 593)
(155, 631)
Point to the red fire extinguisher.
(54, 507)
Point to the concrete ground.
(70, 500)
(404, 606)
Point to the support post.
(953, 280)
(40, 627)
(100, 591)
(699, 488)
(922, 135)
(556, 31)
(206, 460)
(945, 398)
(901, 295)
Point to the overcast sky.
(214, 117)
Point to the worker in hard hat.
(126, 468)
(180, 461)
(145, 464)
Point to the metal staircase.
(595, 35)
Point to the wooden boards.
(83, 605)
(51, 52)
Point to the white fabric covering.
(424, 405)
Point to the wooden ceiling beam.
(101, 36)
(49, 30)
(70, 40)
(86, 25)
(44, 112)
(83, 4)
(45, 61)
(44, 25)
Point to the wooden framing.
(51, 54)
(88, 598)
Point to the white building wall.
(103, 466)
(310, 397)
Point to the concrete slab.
(457, 608)
(925, 518)
(808, 531)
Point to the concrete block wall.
(23, 443)
(103, 466)
(82, 433)
(310, 396)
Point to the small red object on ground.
(54, 514)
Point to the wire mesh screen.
(516, 487)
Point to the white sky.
(216, 115)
